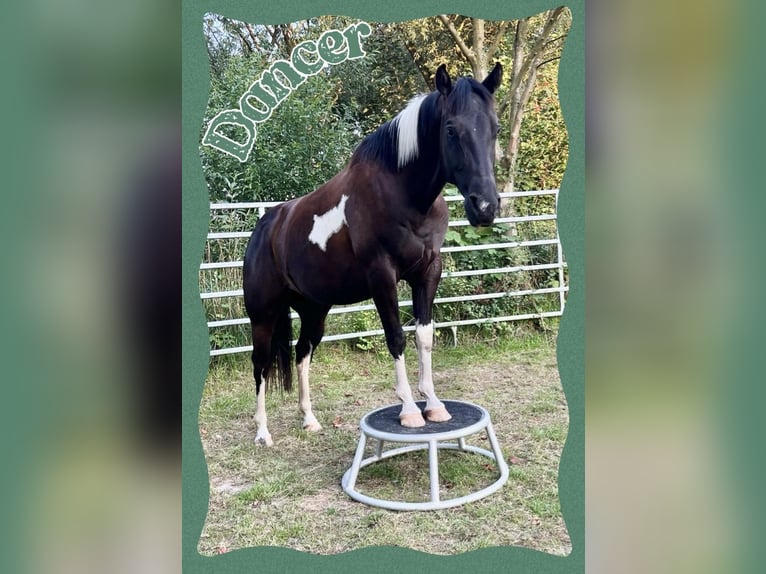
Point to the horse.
(381, 219)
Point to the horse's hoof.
(412, 420)
(438, 415)
(264, 440)
(312, 427)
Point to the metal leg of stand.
(356, 464)
(499, 458)
(433, 462)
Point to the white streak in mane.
(407, 124)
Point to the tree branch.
(465, 50)
(556, 39)
(424, 72)
(251, 33)
(273, 33)
(287, 36)
(247, 48)
(536, 50)
(517, 59)
(480, 66)
(493, 47)
(529, 86)
(548, 61)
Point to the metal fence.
(228, 311)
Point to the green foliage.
(302, 145)
(544, 140)
(378, 86)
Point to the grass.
(403, 477)
(290, 495)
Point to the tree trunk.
(479, 64)
(528, 56)
(523, 78)
(516, 108)
(517, 114)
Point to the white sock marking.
(424, 339)
(309, 420)
(403, 390)
(328, 224)
(407, 124)
(262, 435)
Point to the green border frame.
(570, 348)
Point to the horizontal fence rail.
(225, 310)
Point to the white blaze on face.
(328, 224)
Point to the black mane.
(460, 96)
(381, 146)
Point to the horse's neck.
(424, 180)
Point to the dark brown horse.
(379, 220)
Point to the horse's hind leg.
(312, 329)
(261, 362)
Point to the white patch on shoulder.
(328, 224)
(407, 124)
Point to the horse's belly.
(330, 281)
(334, 289)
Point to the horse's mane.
(461, 92)
(382, 145)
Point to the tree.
(523, 47)
(530, 53)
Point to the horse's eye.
(451, 131)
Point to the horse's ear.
(492, 81)
(442, 80)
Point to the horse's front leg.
(423, 293)
(383, 287)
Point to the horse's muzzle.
(481, 209)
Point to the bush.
(303, 144)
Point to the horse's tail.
(281, 352)
(262, 297)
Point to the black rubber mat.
(387, 420)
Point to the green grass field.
(290, 495)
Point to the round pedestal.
(383, 425)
